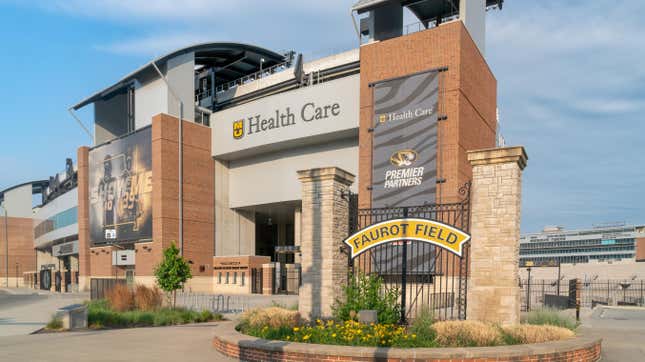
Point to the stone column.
(268, 271)
(493, 290)
(324, 225)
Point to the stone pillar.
(268, 271)
(493, 290)
(324, 225)
(83, 219)
(297, 213)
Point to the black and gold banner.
(404, 154)
(120, 186)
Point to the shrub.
(146, 298)
(526, 333)
(120, 298)
(422, 327)
(366, 292)
(100, 314)
(55, 323)
(466, 334)
(551, 317)
(172, 272)
(272, 317)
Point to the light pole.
(6, 244)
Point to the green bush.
(366, 292)
(101, 315)
(422, 327)
(551, 317)
(55, 323)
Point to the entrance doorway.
(275, 226)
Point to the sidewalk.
(187, 343)
(23, 311)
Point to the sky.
(571, 83)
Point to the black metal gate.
(426, 276)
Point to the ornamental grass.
(466, 334)
(527, 333)
(282, 324)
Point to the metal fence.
(215, 303)
(99, 286)
(424, 275)
(591, 293)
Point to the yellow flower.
(414, 336)
(333, 335)
(306, 337)
(296, 329)
(288, 338)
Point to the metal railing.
(252, 77)
(591, 293)
(214, 303)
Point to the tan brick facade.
(493, 291)
(22, 256)
(324, 226)
(468, 97)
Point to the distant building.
(600, 243)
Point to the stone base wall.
(236, 345)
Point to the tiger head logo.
(403, 158)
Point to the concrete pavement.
(23, 311)
(622, 330)
(189, 343)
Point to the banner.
(120, 186)
(404, 154)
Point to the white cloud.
(155, 45)
(173, 10)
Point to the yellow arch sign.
(429, 231)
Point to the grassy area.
(553, 317)
(101, 315)
(55, 323)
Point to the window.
(243, 275)
(235, 278)
(219, 278)
(227, 277)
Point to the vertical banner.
(404, 153)
(120, 177)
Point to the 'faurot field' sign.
(429, 231)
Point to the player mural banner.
(404, 154)
(407, 229)
(120, 187)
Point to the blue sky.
(570, 77)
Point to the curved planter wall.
(234, 344)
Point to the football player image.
(107, 193)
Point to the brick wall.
(640, 249)
(20, 233)
(468, 97)
(198, 194)
(198, 189)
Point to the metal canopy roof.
(424, 10)
(231, 61)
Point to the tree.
(172, 272)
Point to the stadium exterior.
(224, 184)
